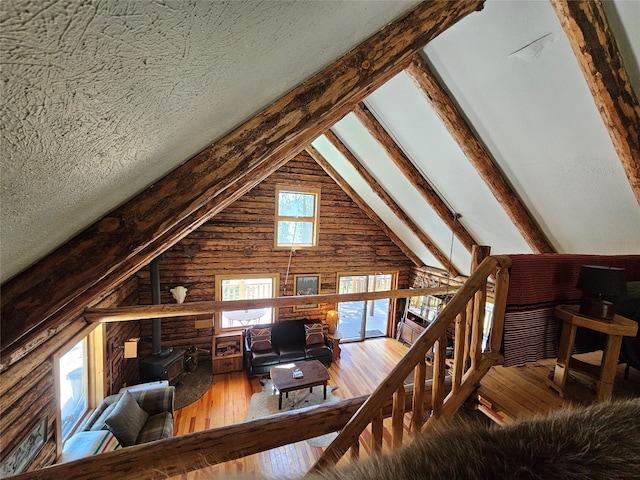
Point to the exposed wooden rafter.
(93, 295)
(128, 240)
(594, 46)
(462, 133)
(390, 202)
(357, 199)
(416, 178)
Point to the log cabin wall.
(121, 371)
(240, 240)
(28, 387)
(427, 276)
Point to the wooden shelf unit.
(227, 352)
(410, 331)
(419, 311)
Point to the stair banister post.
(419, 378)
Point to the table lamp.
(599, 285)
(332, 320)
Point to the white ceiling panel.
(409, 119)
(109, 96)
(360, 142)
(514, 75)
(362, 188)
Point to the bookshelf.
(227, 352)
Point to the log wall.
(28, 388)
(240, 240)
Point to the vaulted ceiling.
(487, 133)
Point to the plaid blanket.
(537, 284)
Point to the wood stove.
(163, 363)
(162, 367)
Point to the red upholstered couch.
(537, 284)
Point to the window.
(73, 386)
(79, 375)
(361, 319)
(486, 325)
(246, 288)
(296, 217)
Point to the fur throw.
(598, 442)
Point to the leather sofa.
(288, 341)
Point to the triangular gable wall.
(240, 241)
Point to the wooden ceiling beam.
(417, 179)
(358, 200)
(595, 48)
(390, 202)
(96, 293)
(127, 239)
(189, 309)
(462, 133)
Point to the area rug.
(193, 385)
(265, 403)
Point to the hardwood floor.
(515, 392)
(522, 391)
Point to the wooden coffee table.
(315, 373)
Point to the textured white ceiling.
(100, 99)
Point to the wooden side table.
(614, 329)
(228, 352)
(335, 338)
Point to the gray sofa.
(288, 342)
(124, 419)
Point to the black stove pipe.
(156, 323)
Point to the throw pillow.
(260, 339)
(313, 333)
(126, 420)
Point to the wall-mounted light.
(131, 348)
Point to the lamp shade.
(131, 348)
(603, 281)
(332, 320)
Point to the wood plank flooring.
(518, 392)
(514, 392)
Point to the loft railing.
(470, 363)
(442, 394)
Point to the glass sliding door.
(367, 318)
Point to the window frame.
(219, 279)
(314, 220)
(93, 376)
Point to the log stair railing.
(442, 395)
(470, 363)
(186, 453)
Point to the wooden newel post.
(478, 254)
(377, 430)
(397, 416)
(419, 378)
(459, 351)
